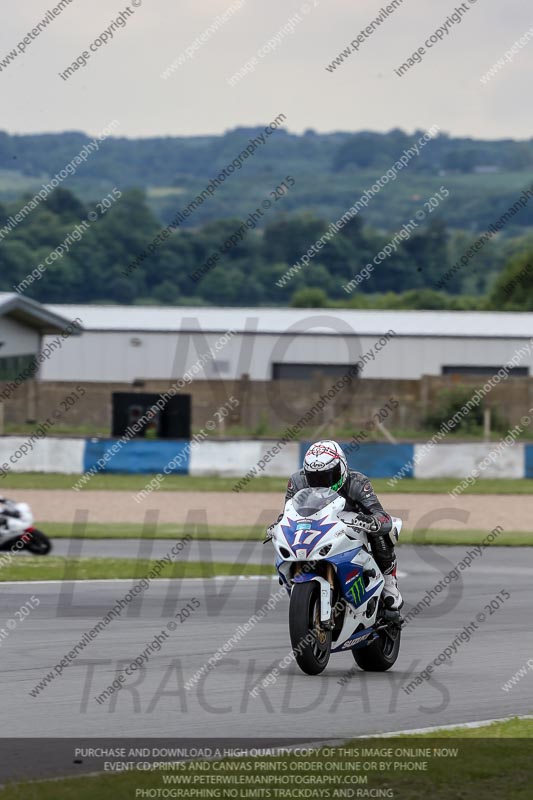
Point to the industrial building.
(125, 344)
(24, 328)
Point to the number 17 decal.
(310, 535)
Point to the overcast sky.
(122, 79)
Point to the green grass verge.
(193, 483)
(445, 485)
(437, 537)
(49, 568)
(119, 530)
(512, 729)
(489, 769)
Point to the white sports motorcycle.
(17, 531)
(325, 562)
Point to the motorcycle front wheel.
(39, 544)
(311, 644)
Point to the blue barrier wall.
(375, 459)
(138, 456)
(529, 460)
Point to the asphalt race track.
(154, 702)
(201, 550)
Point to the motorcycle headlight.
(324, 550)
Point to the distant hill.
(331, 172)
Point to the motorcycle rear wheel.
(381, 655)
(311, 644)
(39, 544)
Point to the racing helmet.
(325, 465)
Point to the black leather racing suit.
(360, 498)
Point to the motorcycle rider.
(6, 511)
(325, 465)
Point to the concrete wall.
(461, 460)
(254, 458)
(48, 454)
(274, 404)
(236, 458)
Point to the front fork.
(327, 588)
(327, 592)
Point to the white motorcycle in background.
(17, 531)
(334, 583)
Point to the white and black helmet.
(325, 465)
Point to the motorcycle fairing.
(303, 535)
(351, 578)
(356, 640)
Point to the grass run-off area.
(493, 762)
(195, 483)
(122, 530)
(58, 568)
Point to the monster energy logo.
(357, 590)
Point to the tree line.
(93, 268)
(331, 171)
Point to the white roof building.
(128, 343)
(23, 325)
(138, 343)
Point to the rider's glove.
(366, 522)
(270, 529)
(269, 532)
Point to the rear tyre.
(381, 654)
(311, 644)
(39, 544)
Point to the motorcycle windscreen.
(308, 501)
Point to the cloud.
(122, 80)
